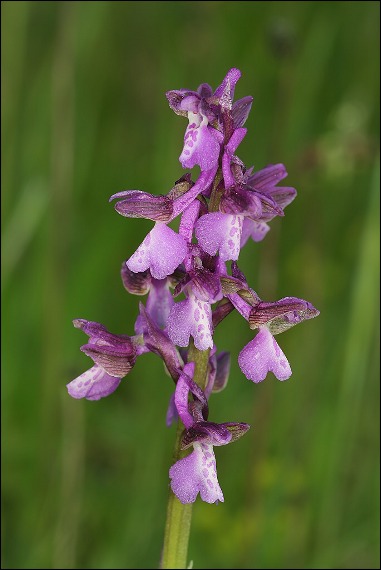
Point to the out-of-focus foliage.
(84, 116)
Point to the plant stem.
(179, 516)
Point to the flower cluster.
(226, 205)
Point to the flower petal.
(201, 186)
(188, 220)
(157, 341)
(281, 315)
(181, 395)
(241, 110)
(241, 201)
(159, 301)
(220, 232)
(93, 384)
(206, 285)
(236, 429)
(172, 415)
(263, 355)
(226, 90)
(176, 97)
(195, 474)
(191, 317)
(267, 177)
(200, 147)
(116, 361)
(222, 373)
(253, 229)
(161, 252)
(135, 283)
(206, 432)
(138, 204)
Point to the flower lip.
(161, 252)
(93, 384)
(262, 355)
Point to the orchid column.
(225, 206)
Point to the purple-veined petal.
(235, 140)
(206, 285)
(282, 195)
(175, 98)
(236, 429)
(204, 90)
(95, 331)
(190, 103)
(281, 315)
(117, 361)
(241, 110)
(270, 208)
(253, 229)
(222, 372)
(267, 177)
(138, 204)
(200, 145)
(242, 306)
(201, 186)
(161, 252)
(212, 369)
(118, 351)
(227, 87)
(188, 220)
(191, 317)
(159, 301)
(230, 148)
(181, 394)
(195, 474)
(135, 283)
(238, 200)
(205, 432)
(93, 384)
(172, 415)
(157, 341)
(263, 355)
(198, 408)
(220, 232)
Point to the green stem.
(179, 516)
(216, 193)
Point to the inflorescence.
(226, 206)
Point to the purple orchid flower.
(197, 472)
(218, 374)
(159, 301)
(264, 181)
(208, 114)
(263, 354)
(113, 355)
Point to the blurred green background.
(84, 116)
